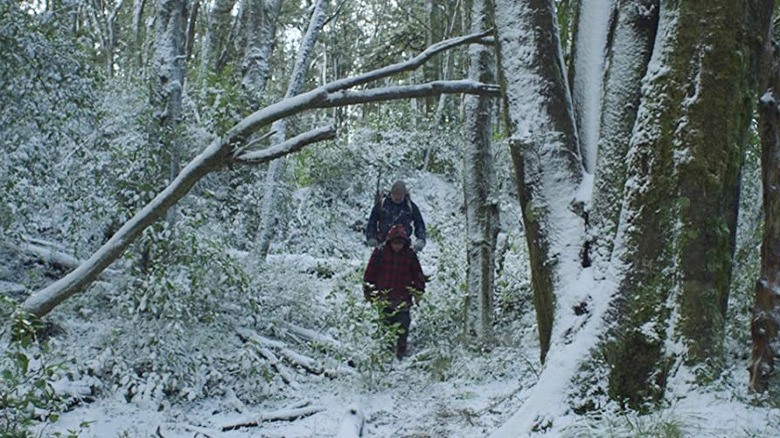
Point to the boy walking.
(394, 275)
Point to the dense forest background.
(582, 280)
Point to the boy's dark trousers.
(402, 317)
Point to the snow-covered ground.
(443, 389)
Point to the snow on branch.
(290, 356)
(465, 86)
(289, 146)
(410, 64)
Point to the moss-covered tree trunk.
(634, 36)
(682, 88)
(766, 311)
(544, 148)
(678, 222)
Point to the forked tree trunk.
(672, 251)
(678, 223)
(478, 187)
(766, 310)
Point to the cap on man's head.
(398, 187)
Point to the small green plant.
(363, 331)
(27, 397)
(74, 433)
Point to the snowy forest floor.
(127, 359)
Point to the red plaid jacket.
(390, 274)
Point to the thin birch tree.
(478, 186)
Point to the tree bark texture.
(544, 148)
(677, 227)
(634, 36)
(478, 187)
(766, 310)
(138, 49)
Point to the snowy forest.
(185, 187)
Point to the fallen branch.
(271, 357)
(55, 257)
(290, 356)
(280, 415)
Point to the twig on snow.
(280, 415)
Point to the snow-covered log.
(220, 153)
(280, 415)
(290, 356)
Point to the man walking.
(394, 209)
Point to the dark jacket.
(406, 213)
(390, 275)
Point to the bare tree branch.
(288, 146)
(411, 64)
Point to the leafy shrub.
(27, 396)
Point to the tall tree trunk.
(217, 28)
(679, 217)
(431, 70)
(439, 115)
(590, 45)
(672, 250)
(191, 27)
(637, 22)
(168, 67)
(138, 45)
(544, 148)
(478, 187)
(276, 169)
(262, 16)
(766, 310)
